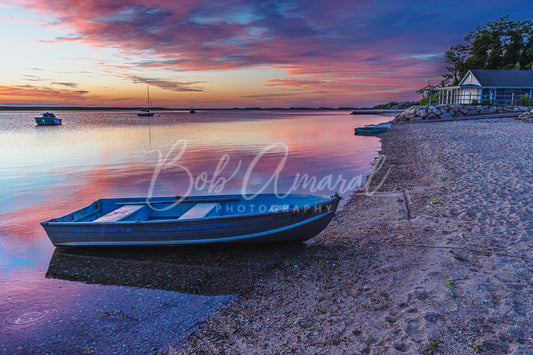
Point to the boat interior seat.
(122, 213)
(200, 210)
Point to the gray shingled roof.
(504, 78)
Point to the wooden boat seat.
(200, 210)
(120, 213)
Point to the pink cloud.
(191, 36)
(168, 85)
(323, 46)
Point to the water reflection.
(50, 171)
(200, 270)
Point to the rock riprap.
(527, 116)
(436, 112)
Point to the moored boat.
(145, 114)
(372, 130)
(48, 119)
(146, 111)
(193, 220)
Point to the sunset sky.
(232, 53)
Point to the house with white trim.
(489, 87)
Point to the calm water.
(49, 171)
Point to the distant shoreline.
(374, 112)
(86, 108)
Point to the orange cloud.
(32, 91)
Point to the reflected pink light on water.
(48, 173)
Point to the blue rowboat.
(372, 130)
(193, 220)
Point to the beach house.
(489, 86)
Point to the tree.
(427, 93)
(456, 58)
(500, 44)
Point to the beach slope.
(434, 255)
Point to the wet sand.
(438, 259)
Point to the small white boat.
(193, 220)
(146, 112)
(48, 119)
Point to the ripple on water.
(27, 315)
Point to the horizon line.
(44, 107)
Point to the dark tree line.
(500, 44)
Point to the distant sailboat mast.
(148, 102)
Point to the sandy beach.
(437, 260)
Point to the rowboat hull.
(234, 220)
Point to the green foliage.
(433, 346)
(434, 199)
(525, 100)
(500, 44)
(450, 285)
(428, 91)
(425, 100)
(394, 105)
(456, 58)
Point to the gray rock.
(449, 111)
